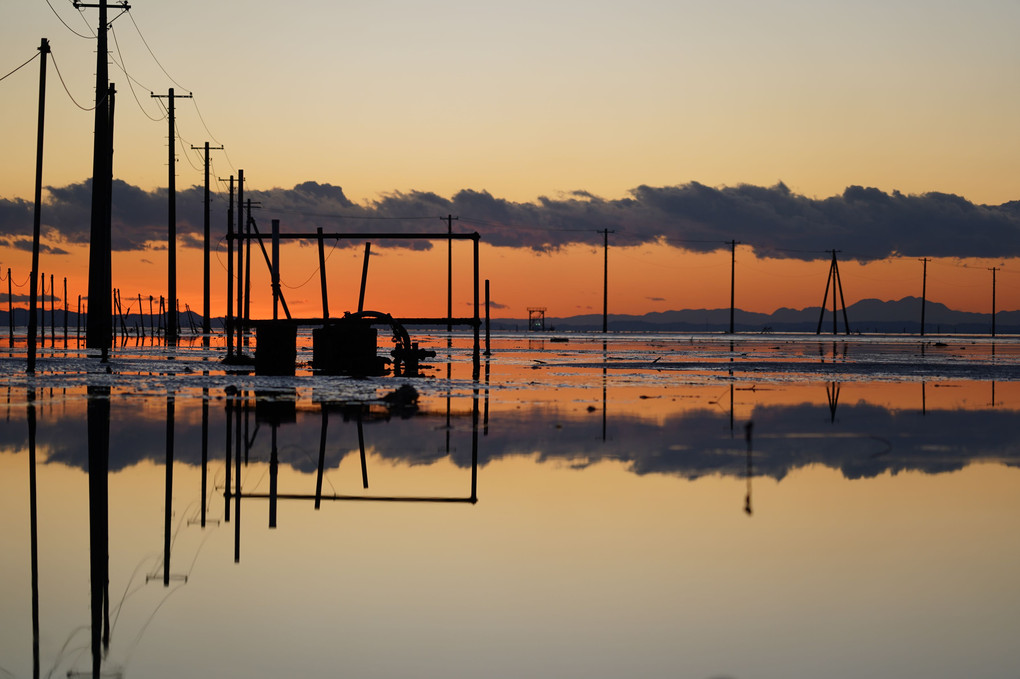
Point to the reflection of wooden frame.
(236, 494)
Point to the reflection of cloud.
(865, 441)
(866, 222)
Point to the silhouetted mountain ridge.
(866, 315)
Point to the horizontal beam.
(470, 321)
(360, 236)
(362, 498)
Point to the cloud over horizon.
(864, 223)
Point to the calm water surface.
(655, 506)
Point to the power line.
(71, 96)
(21, 67)
(123, 68)
(131, 16)
(67, 25)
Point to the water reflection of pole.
(322, 456)
(205, 445)
(34, 536)
(169, 487)
(98, 417)
(361, 444)
(227, 448)
(274, 473)
(485, 418)
(474, 447)
(241, 406)
(833, 395)
(748, 429)
(604, 377)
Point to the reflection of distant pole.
(474, 447)
(34, 528)
(322, 456)
(361, 447)
(228, 448)
(748, 428)
(274, 474)
(485, 417)
(604, 359)
(833, 396)
(242, 406)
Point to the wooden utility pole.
(229, 320)
(605, 279)
(449, 272)
(171, 245)
(239, 326)
(44, 49)
(733, 275)
(322, 275)
(993, 270)
(924, 290)
(99, 325)
(206, 312)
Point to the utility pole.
(44, 49)
(239, 326)
(449, 272)
(993, 270)
(171, 245)
(206, 323)
(733, 278)
(924, 290)
(228, 321)
(99, 327)
(605, 279)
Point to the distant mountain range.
(865, 316)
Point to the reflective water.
(655, 506)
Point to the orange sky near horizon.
(567, 281)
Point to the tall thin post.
(477, 321)
(171, 260)
(248, 221)
(993, 270)
(605, 280)
(322, 275)
(825, 296)
(99, 324)
(733, 274)
(240, 258)
(44, 49)
(276, 269)
(487, 345)
(53, 313)
(364, 277)
(206, 325)
(449, 272)
(206, 310)
(924, 291)
(65, 312)
(229, 320)
(10, 308)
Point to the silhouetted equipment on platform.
(347, 345)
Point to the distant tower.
(536, 318)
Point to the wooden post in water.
(275, 270)
(322, 275)
(228, 321)
(364, 277)
(487, 345)
(65, 312)
(10, 307)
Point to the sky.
(885, 130)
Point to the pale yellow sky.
(539, 97)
